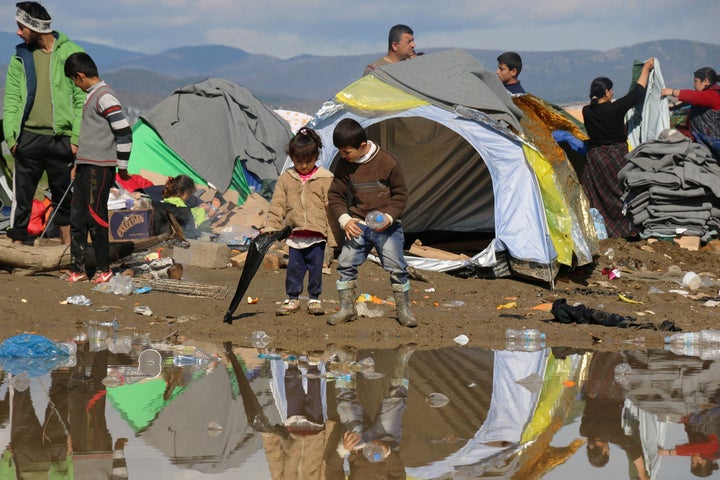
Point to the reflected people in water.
(73, 440)
(371, 445)
(297, 384)
(703, 447)
(602, 416)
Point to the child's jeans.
(389, 247)
(309, 260)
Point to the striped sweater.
(105, 134)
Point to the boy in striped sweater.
(104, 144)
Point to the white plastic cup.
(692, 281)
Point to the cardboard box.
(130, 224)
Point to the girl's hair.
(706, 73)
(598, 87)
(305, 145)
(177, 186)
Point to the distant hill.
(302, 83)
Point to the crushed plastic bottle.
(599, 223)
(260, 339)
(526, 339)
(375, 219)
(78, 300)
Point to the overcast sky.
(284, 28)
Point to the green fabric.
(40, 119)
(139, 403)
(149, 152)
(67, 114)
(198, 213)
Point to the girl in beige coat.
(300, 201)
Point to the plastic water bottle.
(374, 452)
(703, 337)
(704, 352)
(599, 222)
(526, 339)
(375, 219)
(259, 339)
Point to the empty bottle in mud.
(703, 337)
(524, 339)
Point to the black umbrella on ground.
(256, 252)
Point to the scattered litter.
(373, 375)
(545, 307)
(472, 385)
(611, 273)
(507, 305)
(364, 311)
(653, 289)
(252, 301)
(679, 292)
(711, 303)
(437, 400)
(23, 300)
(143, 310)
(430, 290)
(461, 339)
(628, 299)
(569, 383)
(454, 303)
(366, 297)
(141, 290)
(77, 300)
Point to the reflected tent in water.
(520, 415)
(205, 428)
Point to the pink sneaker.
(102, 277)
(75, 277)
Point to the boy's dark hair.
(703, 469)
(348, 133)
(596, 456)
(396, 33)
(34, 9)
(706, 73)
(80, 62)
(512, 60)
(305, 145)
(598, 87)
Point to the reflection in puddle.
(129, 409)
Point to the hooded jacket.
(20, 82)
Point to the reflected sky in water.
(449, 413)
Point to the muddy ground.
(33, 304)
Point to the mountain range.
(302, 83)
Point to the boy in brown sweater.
(372, 180)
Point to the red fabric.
(707, 449)
(136, 182)
(710, 97)
(37, 217)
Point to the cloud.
(286, 28)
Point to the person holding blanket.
(605, 123)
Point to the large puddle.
(130, 409)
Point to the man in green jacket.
(41, 118)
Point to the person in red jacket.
(703, 446)
(704, 100)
